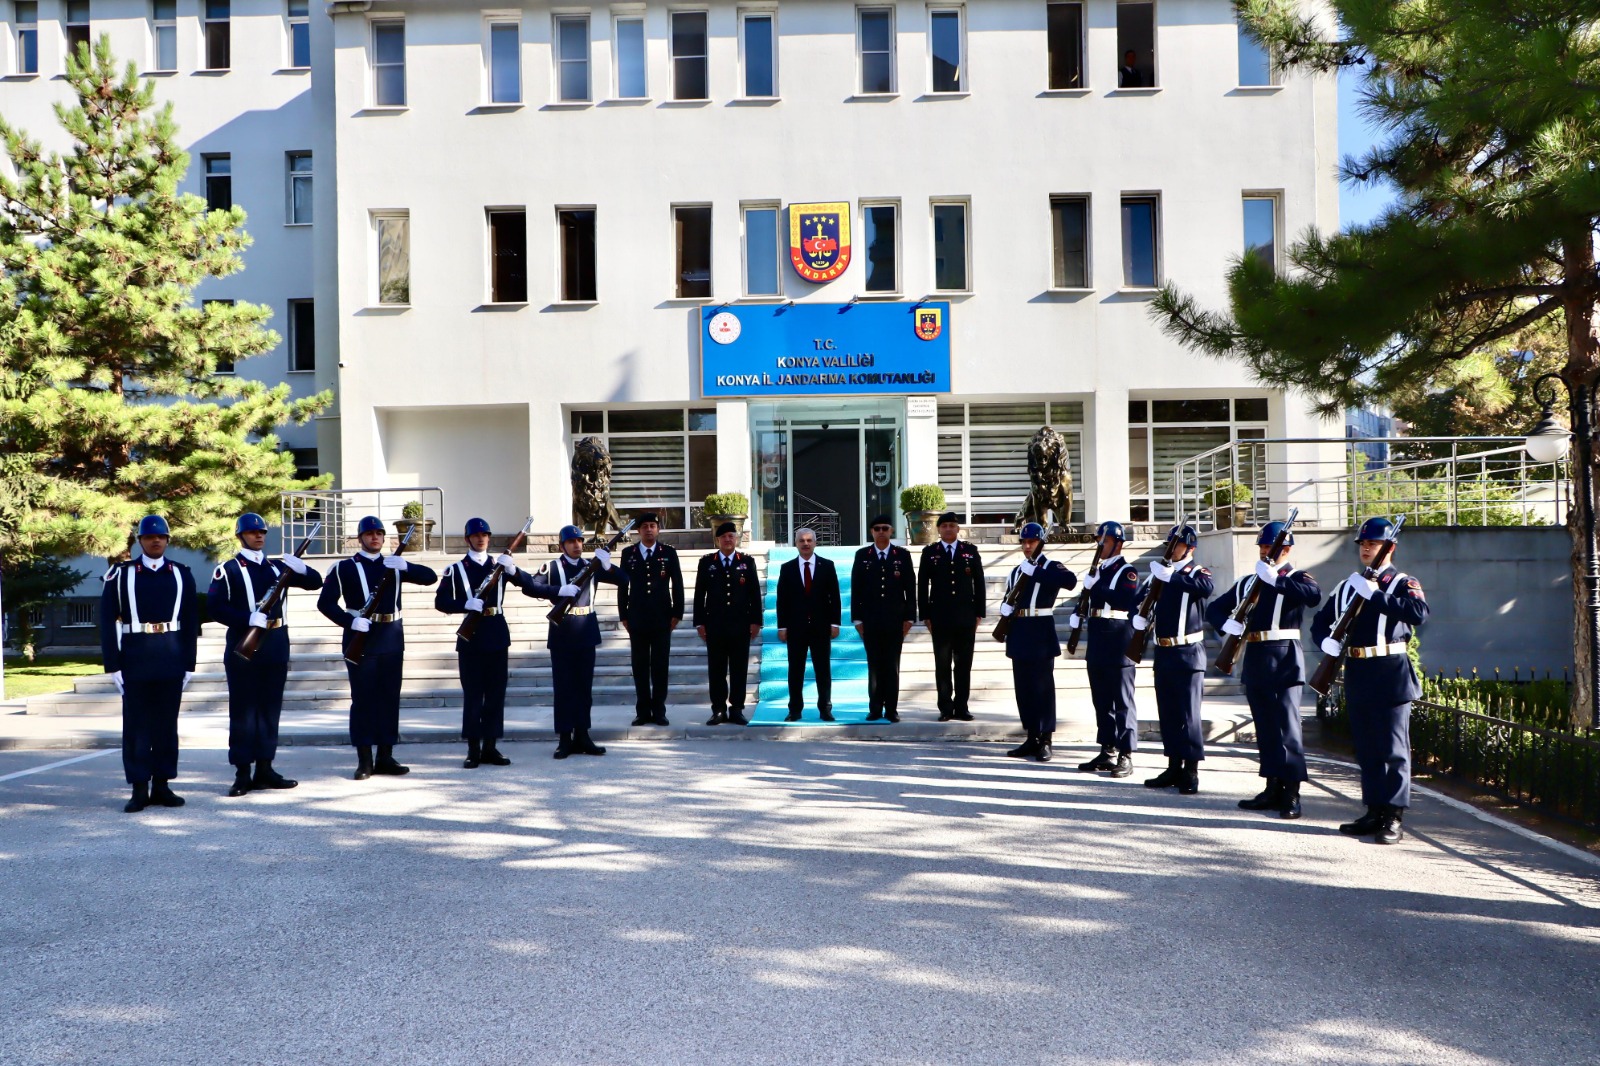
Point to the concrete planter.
(1232, 516)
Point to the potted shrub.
(411, 515)
(922, 505)
(728, 507)
(1230, 503)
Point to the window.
(27, 15)
(164, 34)
(299, 13)
(577, 254)
(948, 74)
(1261, 229)
(219, 181)
(1255, 63)
(572, 59)
(77, 25)
(302, 336)
(305, 463)
(691, 228)
(950, 248)
(875, 39)
(880, 233)
(508, 256)
(1136, 45)
(1064, 41)
(1069, 230)
(1140, 266)
(757, 43)
(299, 188)
(392, 230)
(689, 64)
(662, 460)
(218, 35)
(505, 62)
(762, 249)
(1161, 433)
(224, 362)
(983, 454)
(631, 81)
(389, 63)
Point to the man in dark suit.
(651, 606)
(950, 597)
(728, 611)
(808, 620)
(883, 608)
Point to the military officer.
(728, 611)
(950, 601)
(483, 662)
(1113, 594)
(375, 682)
(883, 608)
(572, 644)
(1031, 643)
(1180, 659)
(255, 685)
(651, 606)
(149, 628)
(1274, 671)
(1379, 680)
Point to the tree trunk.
(1580, 374)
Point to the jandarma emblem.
(819, 240)
(930, 323)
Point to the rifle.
(1002, 628)
(1229, 655)
(1083, 599)
(1322, 677)
(250, 643)
(1147, 608)
(558, 614)
(358, 640)
(469, 625)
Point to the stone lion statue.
(1050, 475)
(591, 487)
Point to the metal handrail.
(339, 511)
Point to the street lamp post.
(1548, 443)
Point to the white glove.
(1160, 570)
(475, 605)
(1362, 586)
(1233, 628)
(116, 679)
(188, 676)
(258, 620)
(293, 563)
(395, 562)
(1073, 621)
(1266, 573)
(1027, 568)
(360, 625)
(1093, 576)
(1141, 623)
(568, 590)
(1332, 647)
(603, 557)
(1006, 610)
(506, 563)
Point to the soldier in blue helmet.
(255, 685)
(1113, 595)
(1274, 670)
(374, 683)
(572, 644)
(1179, 665)
(1379, 680)
(484, 662)
(149, 629)
(1031, 643)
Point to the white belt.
(152, 627)
(1258, 635)
(1397, 648)
(1106, 612)
(1033, 612)
(1178, 642)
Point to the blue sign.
(817, 349)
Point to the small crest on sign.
(929, 323)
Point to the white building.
(525, 217)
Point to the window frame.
(745, 207)
(376, 217)
(965, 203)
(291, 21)
(374, 27)
(1274, 70)
(1087, 200)
(678, 257)
(491, 23)
(617, 19)
(561, 255)
(1234, 425)
(894, 203)
(770, 14)
(223, 27)
(961, 498)
(962, 88)
(494, 298)
(1155, 47)
(157, 24)
(1083, 50)
(1275, 198)
(292, 179)
(558, 21)
(292, 336)
(70, 29)
(693, 509)
(25, 37)
(206, 177)
(1156, 258)
(890, 11)
(673, 57)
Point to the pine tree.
(110, 403)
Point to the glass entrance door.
(829, 466)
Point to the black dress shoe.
(1364, 826)
(792, 716)
(363, 762)
(1045, 753)
(717, 718)
(945, 716)
(736, 717)
(963, 716)
(659, 718)
(161, 795)
(471, 761)
(1289, 801)
(267, 777)
(1026, 749)
(642, 718)
(826, 716)
(386, 764)
(1267, 799)
(563, 745)
(583, 745)
(1124, 766)
(491, 756)
(1171, 777)
(1389, 828)
(140, 800)
(241, 782)
(874, 716)
(1189, 782)
(1106, 760)
(893, 716)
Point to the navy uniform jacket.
(1117, 590)
(136, 593)
(237, 586)
(460, 580)
(950, 590)
(1273, 664)
(1035, 638)
(1389, 617)
(817, 613)
(346, 588)
(1180, 612)
(883, 592)
(576, 630)
(653, 594)
(727, 597)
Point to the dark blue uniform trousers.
(1180, 687)
(1381, 733)
(483, 691)
(1035, 682)
(375, 698)
(150, 729)
(1276, 713)
(1116, 720)
(255, 703)
(572, 674)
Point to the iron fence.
(340, 510)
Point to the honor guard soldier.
(1031, 643)
(950, 601)
(728, 610)
(149, 627)
(651, 605)
(1113, 594)
(572, 644)
(1379, 680)
(1274, 670)
(484, 661)
(255, 685)
(1179, 663)
(883, 608)
(375, 683)
(808, 621)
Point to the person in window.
(1128, 76)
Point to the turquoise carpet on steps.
(849, 657)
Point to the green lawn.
(48, 673)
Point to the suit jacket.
(237, 586)
(950, 590)
(728, 598)
(883, 592)
(460, 580)
(653, 594)
(813, 613)
(134, 592)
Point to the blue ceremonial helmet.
(570, 533)
(1109, 529)
(1185, 534)
(1032, 531)
(1375, 529)
(249, 522)
(153, 525)
(476, 525)
(1269, 534)
(370, 524)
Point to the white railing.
(340, 510)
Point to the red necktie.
(805, 576)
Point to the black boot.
(1171, 776)
(386, 763)
(1364, 826)
(1124, 766)
(1106, 760)
(1289, 800)
(583, 745)
(363, 761)
(1044, 754)
(1267, 799)
(1027, 748)
(1389, 828)
(161, 794)
(241, 781)
(564, 745)
(474, 755)
(1189, 778)
(267, 777)
(140, 800)
(491, 755)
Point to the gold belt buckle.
(155, 627)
